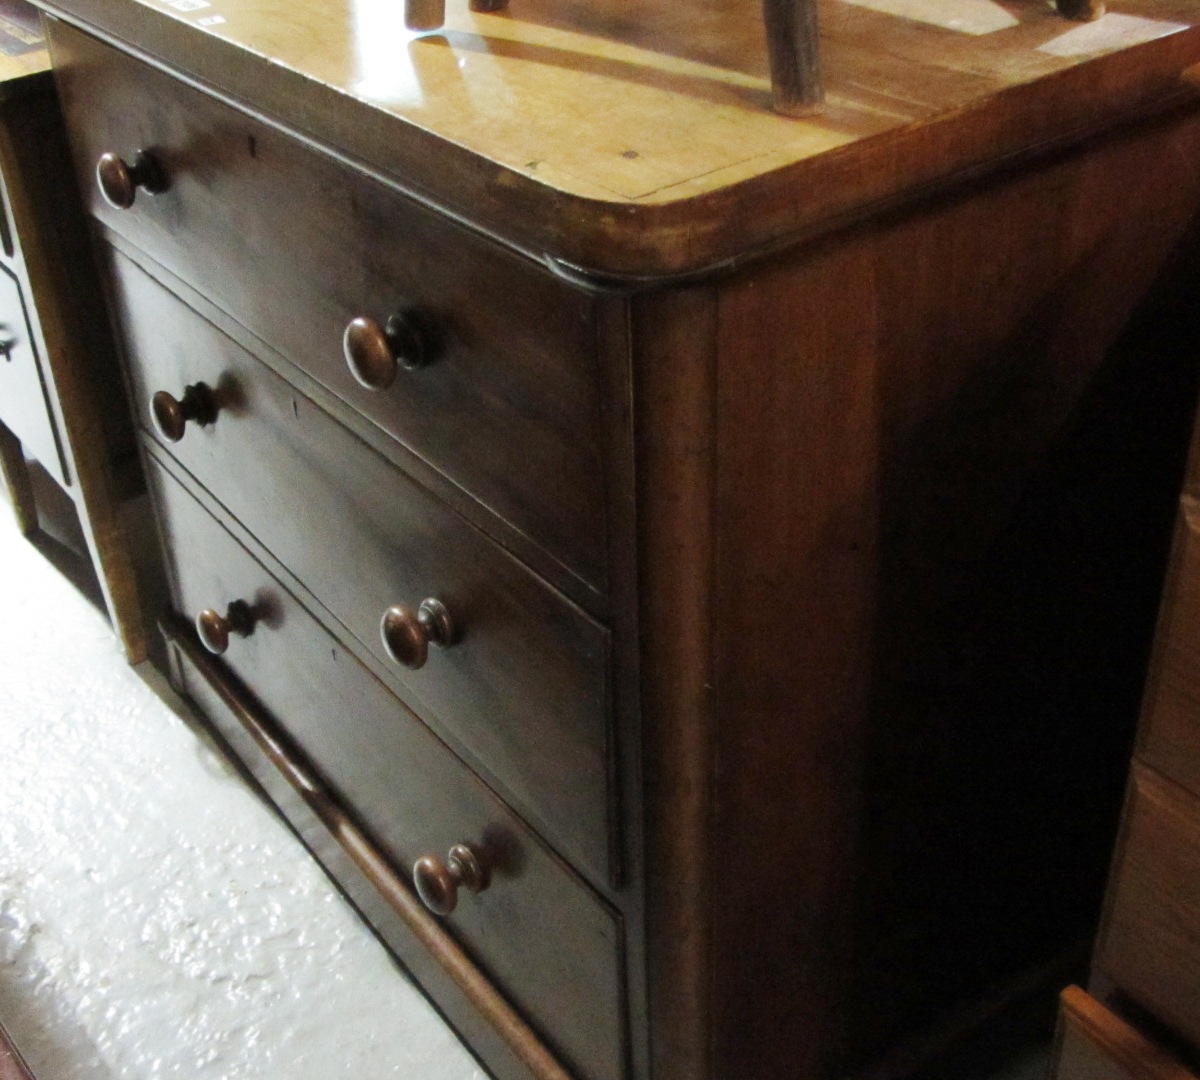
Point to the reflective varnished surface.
(638, 138)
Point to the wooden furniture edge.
(638, 242)
(1125, 1044)
(675, 420)
(39, 207)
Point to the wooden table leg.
(1081, 10)
(793, 46)
(16, 479)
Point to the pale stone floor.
(157, 921)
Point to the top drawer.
(295, 245)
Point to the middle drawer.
(522, 690)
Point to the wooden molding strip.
(362, 850)
(1125, 1045)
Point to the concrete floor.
(158, 921)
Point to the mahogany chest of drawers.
(644, 580)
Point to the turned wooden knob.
(373, 352)
(171, 415)
(119, 182)
(214, 629)
(407, 634)
(438, 882)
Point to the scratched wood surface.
(637, 138)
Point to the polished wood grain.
(533, 123)
(545, 940)
(880, 510)
(863, 464)
(1095, 1044)
(792, 45)
(675, 433)
(524, 690)
(1149, 945)
(508, 404)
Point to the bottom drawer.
(1149, 944)
(394, 794)
(1094, 1044)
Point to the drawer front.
(551, 946)
(1150, 941)
(1094, 1044)
(523, 691)
(294, 245)
(1170, 734)
(24, 404)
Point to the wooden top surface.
(635, 137)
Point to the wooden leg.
(424, 14)
(793, 46)
(1081, 10)
(16, 479)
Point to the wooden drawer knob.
(171, 415)
(373, 352)
(214, 629)
(407, 634)
(119, 182)
(438, 882)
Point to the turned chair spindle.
(793, 42)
